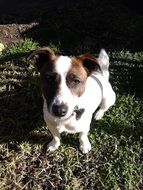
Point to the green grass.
(116, 159)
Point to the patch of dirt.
(12, 32)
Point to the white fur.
(62, 66)
(104, 63)
(94, 96)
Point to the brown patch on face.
(76, 78)
(50, 80)
(42, 56)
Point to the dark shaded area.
(127, 76)
(78, 26)
(29, 6)
(89, 26)
(20, 100)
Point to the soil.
(12, 32)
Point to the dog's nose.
(60, 110)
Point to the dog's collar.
(98, 82)
(78, 112)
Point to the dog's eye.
(73, 80)
(50, 77)
(76, 81)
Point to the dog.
(74, 89)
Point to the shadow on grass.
(126, 75)
(79, 26)
(89, 26)
(20, 100)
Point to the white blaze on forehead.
(62, 65)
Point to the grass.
(116, 159)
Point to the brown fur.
(89, 62)
(76, 77)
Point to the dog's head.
(63, 79)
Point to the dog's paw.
(52, 146)
(85, 148)
(99, 114)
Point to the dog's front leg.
(85, 145)
(55, 143)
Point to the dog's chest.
(69, 128)
(71, 125)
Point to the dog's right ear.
(41, 56)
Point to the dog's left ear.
(90, 63)
(42, 56)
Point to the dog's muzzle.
(62, 109)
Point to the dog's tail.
(104, 63)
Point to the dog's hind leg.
(106, 103)
(101, 110)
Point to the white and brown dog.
(73, 88)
